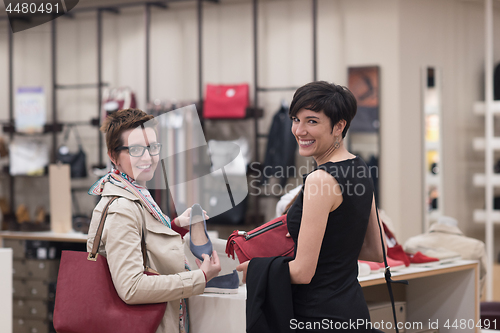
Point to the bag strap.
(143, 246)
(97, 239)
(77, 136)
(387, 273)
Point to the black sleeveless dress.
(334, 296)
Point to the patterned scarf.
(124, 181)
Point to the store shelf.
(411, 272)
(434, 215)
(76, 237)
(431, 109)
(479, 180)
(479, 216)
(480, 107)
(431, 145)
(479, 144)
(432, 179)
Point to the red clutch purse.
(268, 240)
(225, 101)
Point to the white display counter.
(439, 295)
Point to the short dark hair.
(336, 101)
(118, 122)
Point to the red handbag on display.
(225, 101)
(87, 301)
(268, 240)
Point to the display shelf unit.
(432, 146)
(489, 109)
(480, 180)
(479, 216)
(445, 292)
(254, 113)
(479, 144)
(32, 278)
(480, 108)
(432, 179)
(72, 237)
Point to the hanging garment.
(452, 238)
(114, 99)
(281, 146)
(285, 200)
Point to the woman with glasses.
(134, 151)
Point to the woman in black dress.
(333, 220)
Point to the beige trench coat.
(121, 244)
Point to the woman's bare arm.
(372, 245)
(319, 198)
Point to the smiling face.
(314, 134)
(140, 168)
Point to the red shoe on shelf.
(395, 250)
(421, 260)
(375, 267)
(389, 236)
(397, 253)
(395, 265)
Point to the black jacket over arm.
(269, 295)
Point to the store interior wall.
(448, 35)
(399, 36)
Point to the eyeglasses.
(138, 151)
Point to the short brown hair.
(336, 101)
(118, 122)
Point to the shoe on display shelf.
(396, 265)
(397, 253)
(445, 256)
(375, 267)
(225, 284)
(421, 260)
(363, 269)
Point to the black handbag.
(78, 160)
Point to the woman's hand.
(243, 267)
(184, 219)
(210, 265)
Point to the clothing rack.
(258, 89)
(253, 113)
